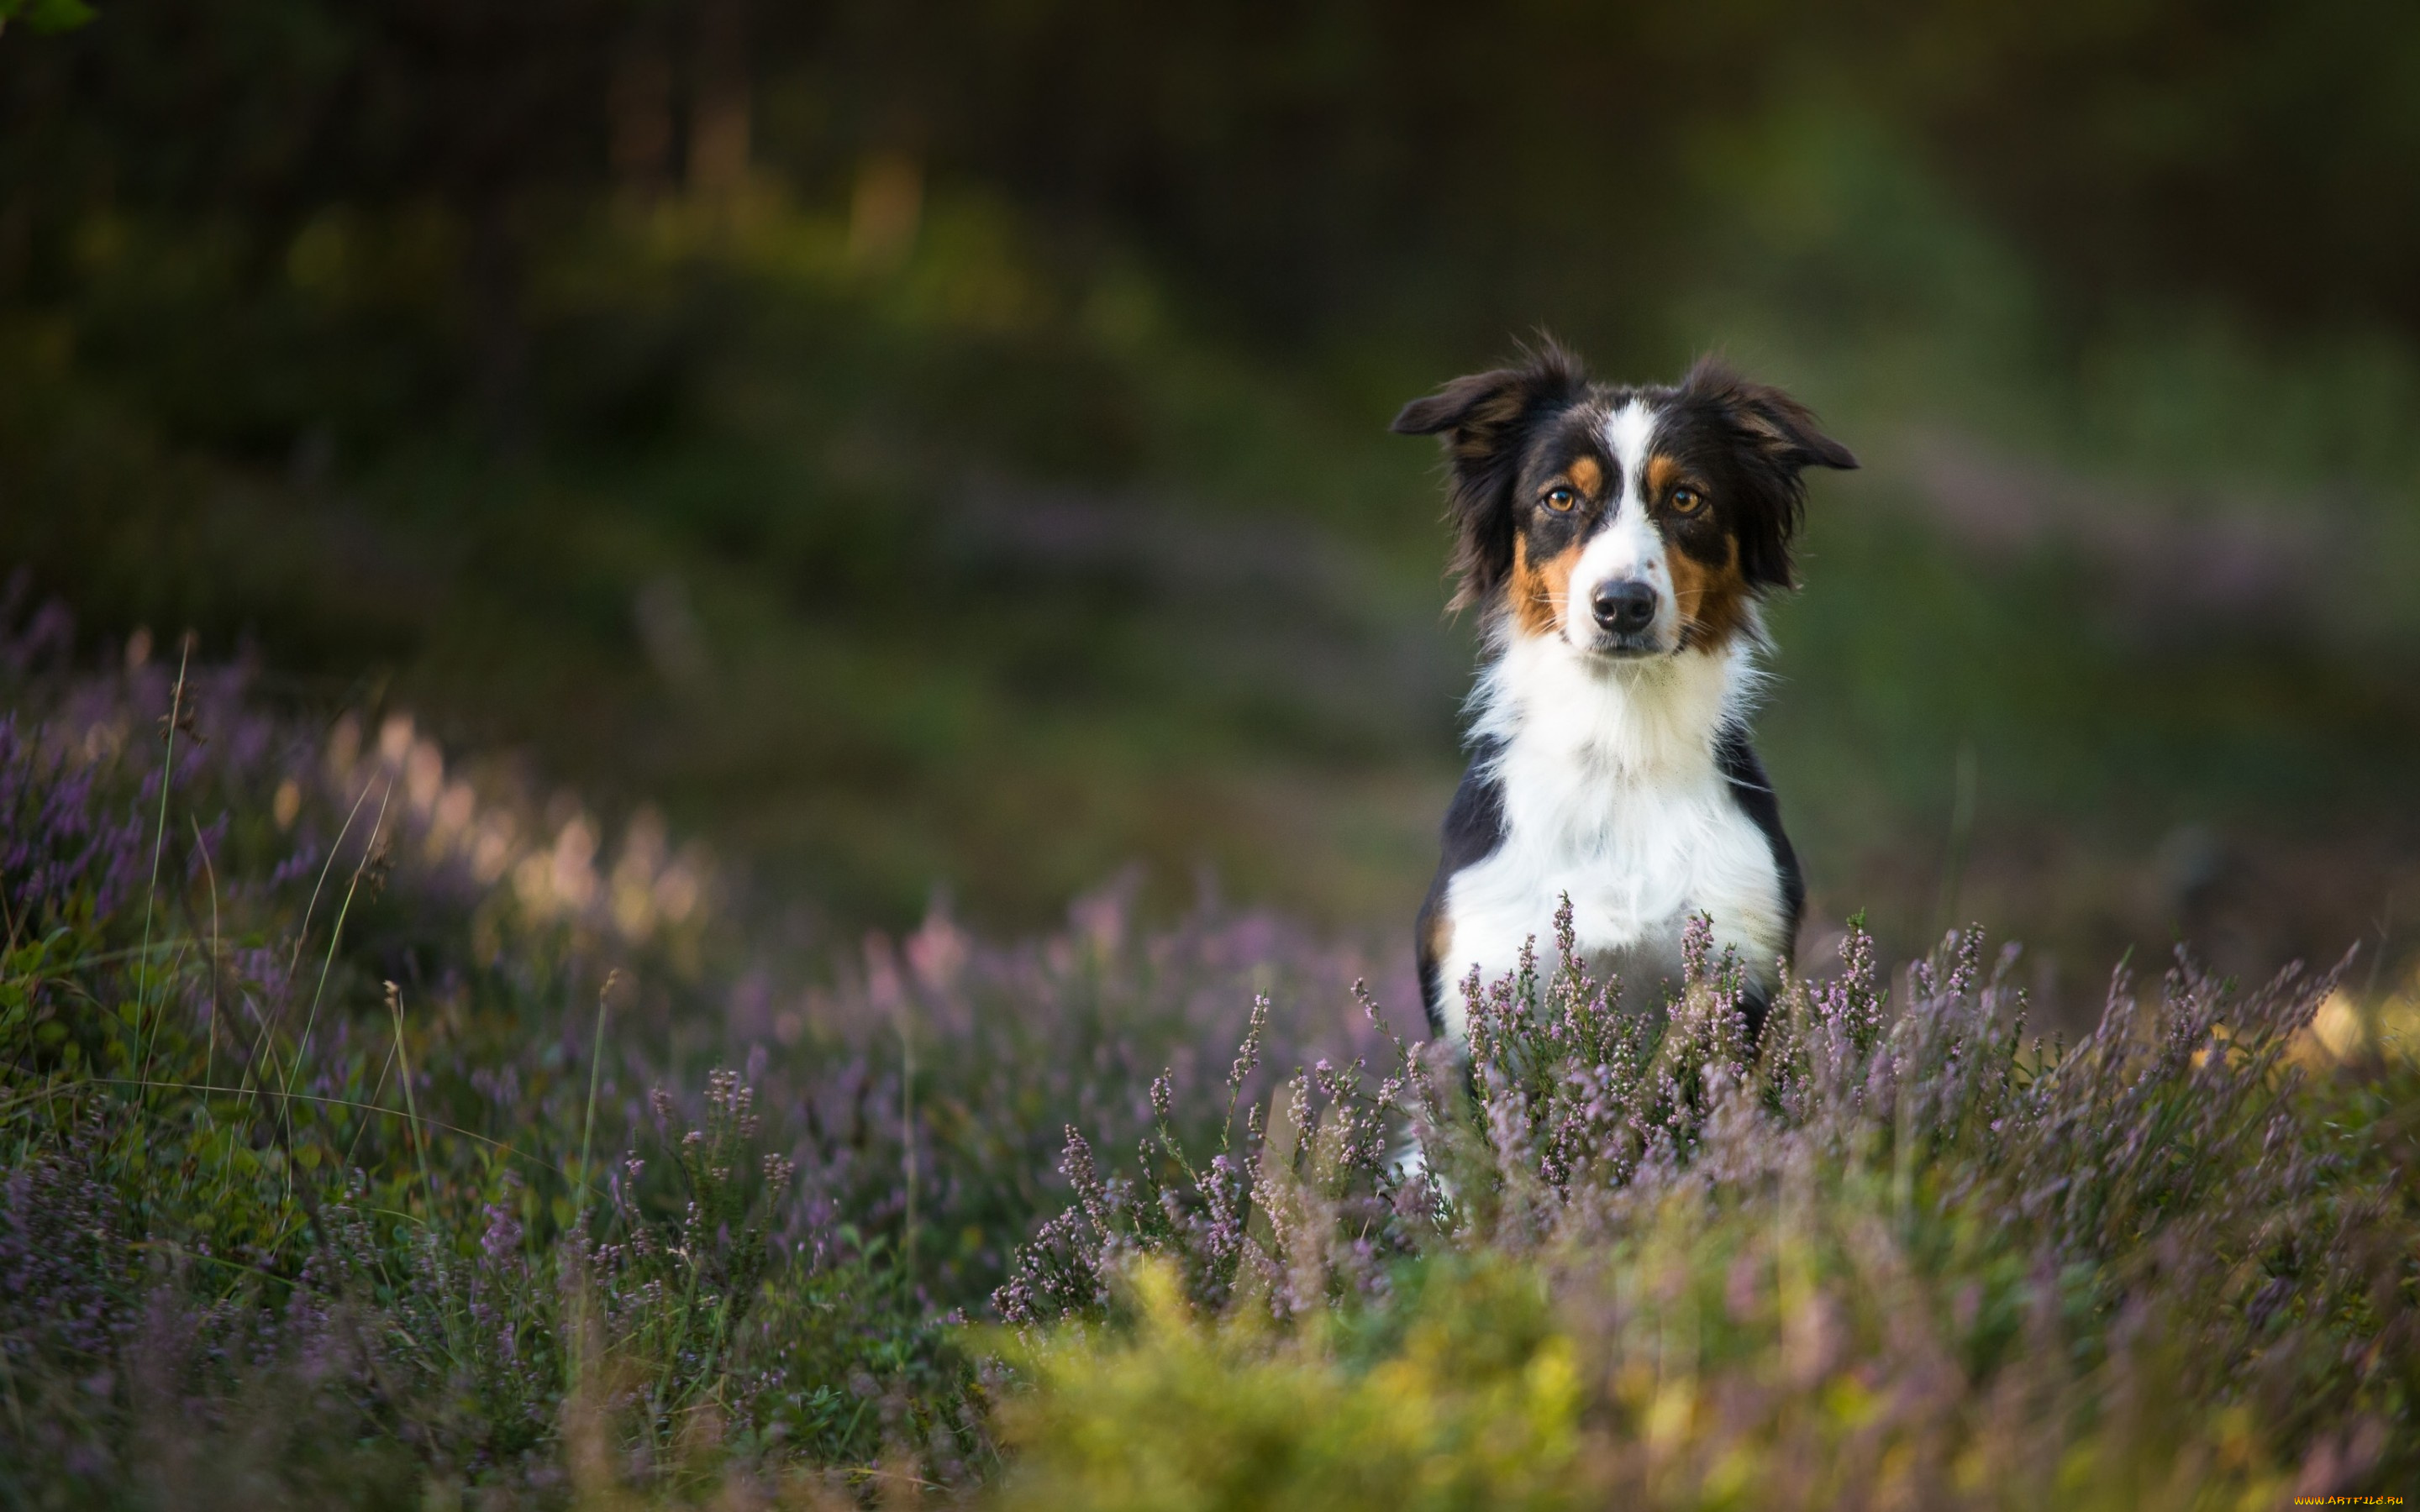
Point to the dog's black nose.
(1624, 607)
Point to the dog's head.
(1626, 522)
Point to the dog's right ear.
(1484, 419)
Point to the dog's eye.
(1561, 501)
(1686, 500)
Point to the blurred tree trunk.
(642, 112)
(885, 208)
(720, 102)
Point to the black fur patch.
(1753, 791)
(1474, 827)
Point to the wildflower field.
(382, 1130)
(582, 583)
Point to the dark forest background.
(939, 450)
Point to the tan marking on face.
(1540, 589)
(1586, 476)
(1713, 600)
(1662, 474)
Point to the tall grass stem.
(588, 1119)
(211, 1056)
(158, 845)
(262, 1044)
(336, 936)
(410, 1106)
(907, 1136)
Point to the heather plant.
(241, 1184)
(1894, 1253)
(1564, 1093)
(336, 1166)
(315, 1124)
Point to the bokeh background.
(940, 451)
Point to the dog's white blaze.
(1628, 433)
(1627, 546)
(1611, 794)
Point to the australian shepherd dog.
(1619, 544)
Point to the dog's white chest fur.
(1611, 794)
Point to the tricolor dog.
(1619, 544)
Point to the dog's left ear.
(1778, 440)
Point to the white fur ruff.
(1611, 794)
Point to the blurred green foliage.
(45, 16)
(942, 447)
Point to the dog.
(1620, 545)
